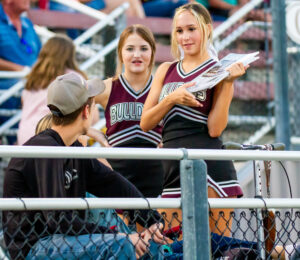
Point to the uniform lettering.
(200, 95)
(127, 111)
(169, 88)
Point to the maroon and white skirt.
(221, 175)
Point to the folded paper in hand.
(218, 72)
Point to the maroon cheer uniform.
(123, 114)
(187, 127)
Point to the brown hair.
(70, 118)
(202, 17)
(56, 56)
(144, 33)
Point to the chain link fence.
(294, 85)
(38, 235)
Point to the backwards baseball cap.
(70, 91)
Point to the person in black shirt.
(67, 234)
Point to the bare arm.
(98, 136)
(136, 9)
(153, 111)
(220, 4)
(10, 66)
(218, 116)
(102, 98)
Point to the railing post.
(280, 67)
(196, 237)
(109, 34)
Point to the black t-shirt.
(57, 178)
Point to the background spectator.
(19, 43)
(220, 10)
(162, 8)
(135, 9)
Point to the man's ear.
(86, 112)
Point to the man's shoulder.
(45, 138)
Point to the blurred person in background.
(220, 10)
(19, 45)
(123, 101)
(57, 57)
(162, 8)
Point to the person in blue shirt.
(162, 8)
(19, 44)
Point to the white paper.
(218, 72)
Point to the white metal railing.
(221, 45)
(76, 5)
(101, 24)
(100, 55)
(10, 122)
(9, 112)
(136, 203)
(14, 74)
(144, 153)
(141, 153)
(244, 119)
(11, 91)
(266, 128)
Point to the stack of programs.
(218, 72)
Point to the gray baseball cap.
(70, 92)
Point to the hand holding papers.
(218, 72)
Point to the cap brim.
(95, 87)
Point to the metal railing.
(144, 153)
(195, 223)
(83, 9)
(139, 203)
(222, 44)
